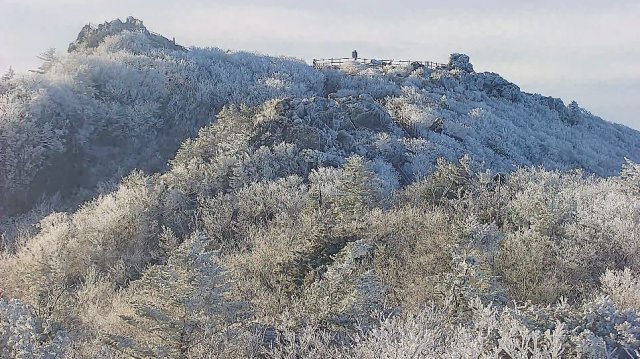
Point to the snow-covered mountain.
(125, 98)
(163, 201)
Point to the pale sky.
(583, 50)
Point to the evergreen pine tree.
(176, 306)
(574, 112)
(49, 58)
(9, 74)
(355, 190)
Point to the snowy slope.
(285, 211)
(125, 98)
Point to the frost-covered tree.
(355, 186)
(9, 74)
(623, 287)
(348, 294)
(630, 174)
(177, 307)
(48, 58)
(24, 335)
(574, 112)
(439, 199)
(123, 109)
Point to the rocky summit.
(91, 36)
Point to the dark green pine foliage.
(575, 112)
(354, 200)
(355, 190)
(177, 306)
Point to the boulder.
(554, 104)
(460, 62)
(346, 141)
(369, 119)
(437, 126)
(306, 137)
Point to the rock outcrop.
(91, 35)
(495, 85)
(460, 62)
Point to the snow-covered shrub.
(630, 174)
(310, 342)
(423, 335)
(125, 105)
(23, 335)
(176, 307)
(623, 287)
(328, 197)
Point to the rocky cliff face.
(91, 35)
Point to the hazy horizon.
(578, 50)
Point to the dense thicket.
(370, 213)
(247, 247)
(92, 116)
(85, 119)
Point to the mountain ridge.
(473, 113)
(156, 202)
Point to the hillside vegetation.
(163, 202)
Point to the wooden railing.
(337, 63)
